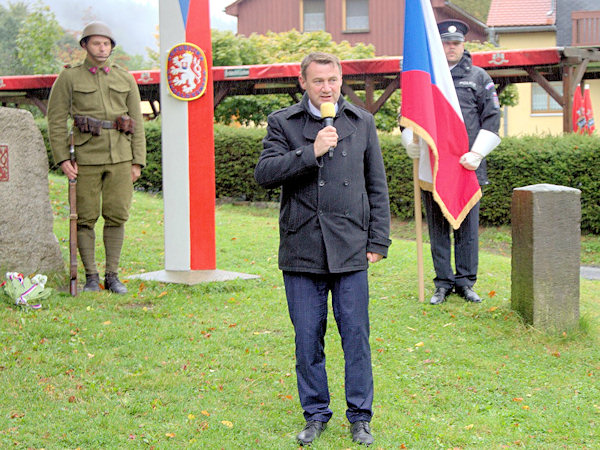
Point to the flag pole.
(419, 229)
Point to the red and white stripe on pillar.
(187, 135)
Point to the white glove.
(413, 149)
(485, 142)
(470, 160)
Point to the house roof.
(511, 13)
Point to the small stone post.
(546, 232)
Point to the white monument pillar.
(188, 162)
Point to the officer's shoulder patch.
(495, 100)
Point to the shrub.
(568, 160)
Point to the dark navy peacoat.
(333, 210)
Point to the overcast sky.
(132, 21)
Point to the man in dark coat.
(481, 113)
(334, 221)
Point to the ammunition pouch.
(87, 124)
(126, 124)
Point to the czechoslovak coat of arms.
(186, 71)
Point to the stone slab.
(192, 277)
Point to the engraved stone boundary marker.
(546, 245)
(27, 241)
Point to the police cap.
(96, 29)
(453, 30)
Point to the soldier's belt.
(87, 124)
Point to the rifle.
(73, 222)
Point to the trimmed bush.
(568, 160)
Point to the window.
(357, 15)
(313, 15)
(542, 102)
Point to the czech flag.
(430, 108)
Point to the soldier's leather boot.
(113, 284)
(92, 283)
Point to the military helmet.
(96, 29)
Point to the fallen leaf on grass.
(205, 413)
(492, 309)
(227, 423)
(492, 294)
(170, 435)
(108, 322)
(419, 344)
(518, 399)
(191, 417)
(162, 294)
(468, 427)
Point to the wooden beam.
(349, 92)
(545, 84)
(567, 104)
(392, 86)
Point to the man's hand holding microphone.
(327, 138)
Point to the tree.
(11, 18)
(291, 46)
(36, 41)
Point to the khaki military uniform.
(104, 180)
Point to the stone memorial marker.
(546, 232)
(27, 241)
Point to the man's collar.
(93, 68)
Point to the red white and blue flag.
(430, 108)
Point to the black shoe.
(92, 283)
(439, 296)
(311, 431)
(361, 432)
(468, 294)
(113, 284)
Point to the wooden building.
(377, 22)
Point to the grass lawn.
(212, 365)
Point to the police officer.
(104, 101)
(481, 113)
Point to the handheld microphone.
(328, 113)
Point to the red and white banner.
(589, 112)
(578, 113)
(430, 108)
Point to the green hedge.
(569, 160)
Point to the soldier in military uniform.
(104, 102)
(481, 112)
